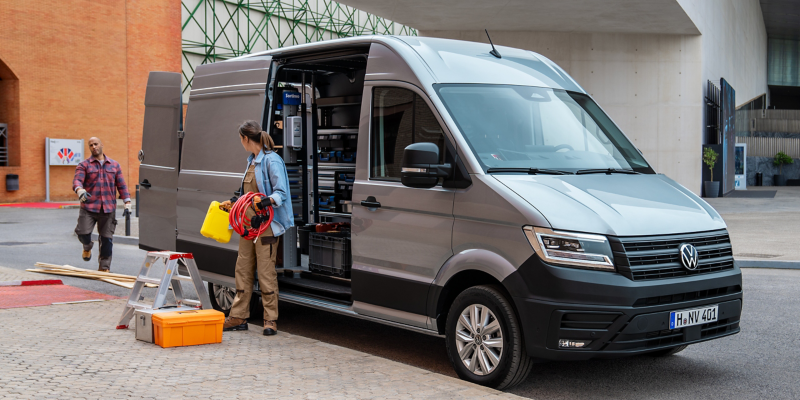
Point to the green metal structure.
(214, 30)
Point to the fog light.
(573, 344)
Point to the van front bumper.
(619, 317)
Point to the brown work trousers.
(106, 225)
(257, 257)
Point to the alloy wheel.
(479, 339)
(224, 296)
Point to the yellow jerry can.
(216, 225)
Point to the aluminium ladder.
(172, 261)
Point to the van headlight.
(579, 250)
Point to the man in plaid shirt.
(97, 179)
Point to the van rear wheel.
(221, 297)
(484, 339)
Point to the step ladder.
(171, 262)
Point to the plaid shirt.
(101, 181)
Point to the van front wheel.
(484, 339)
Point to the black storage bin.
(759, 179)
(303, 232)
(12, 182)
(329, 253)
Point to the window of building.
(3, 145)
(399, 118)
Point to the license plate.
(697, 316)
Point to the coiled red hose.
(239, 221)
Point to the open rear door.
(213, 162)
(159, 157)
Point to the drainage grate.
(18, 243)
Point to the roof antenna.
(494, 51)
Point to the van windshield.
(525, 127)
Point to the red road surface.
(31, 296)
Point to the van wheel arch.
(459, 283)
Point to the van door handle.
(145, 184)
(370, 202)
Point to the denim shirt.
(273, 181)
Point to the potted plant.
(710, 158)
(780, 159)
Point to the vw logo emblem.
(141, 155)
(689, 256)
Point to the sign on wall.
(60, 152)
(65, 151)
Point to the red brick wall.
(154, 44)
(80, 67)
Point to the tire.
(221, 297)
(668, 352)
(480, 360)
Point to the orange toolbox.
(187, 328)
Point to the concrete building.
(647, 63)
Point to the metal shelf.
(338, 101)
(333, 214)
(337, 131)
(330, 166)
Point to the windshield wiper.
(530, 171)
(607, 171)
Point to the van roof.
(436, 60)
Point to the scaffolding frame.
(215, 30)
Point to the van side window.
(399, 118)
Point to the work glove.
(83, 195)
(128, 207)
(261, 204)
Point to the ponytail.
(266, 141)
(252, 131)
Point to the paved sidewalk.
(763, 230)
(73, 351)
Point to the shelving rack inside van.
(336, 157)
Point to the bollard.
(127, 215)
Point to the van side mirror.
(421, 168)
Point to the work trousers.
(106, 225)
(257, 257)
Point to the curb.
(32, 283)
(77, 206)
(768, 264)
(131, 240)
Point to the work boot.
(104, 269)
(87, 255)
(234, 324)
(270, 328)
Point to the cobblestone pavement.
(73, 351)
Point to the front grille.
(658, 257)
(688, 296)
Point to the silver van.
(489, 200)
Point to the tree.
(710, 158)
(780, 159)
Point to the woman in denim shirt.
(266, 173)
